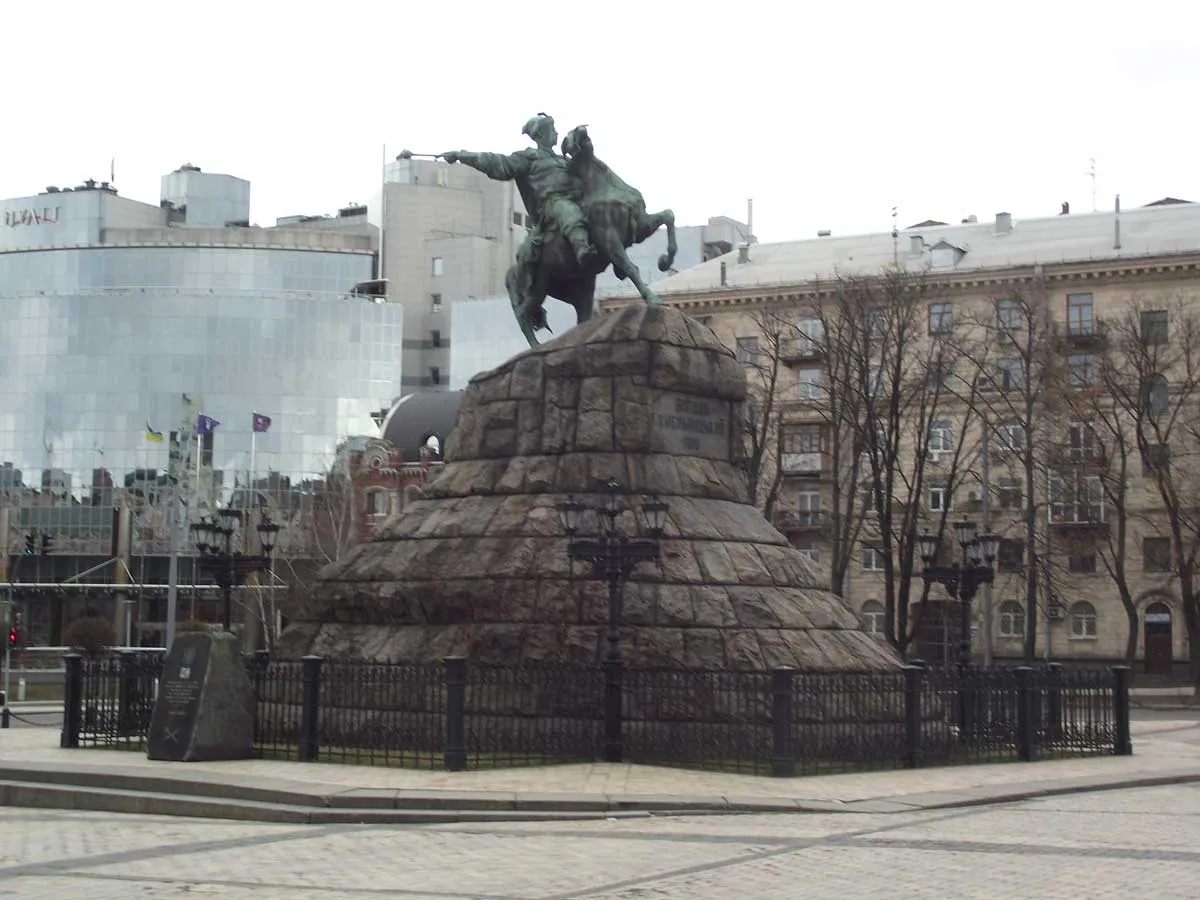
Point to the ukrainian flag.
(154, 437)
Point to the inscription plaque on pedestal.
(178, 704)
(691, 426)
(204, 709)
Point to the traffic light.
(14, 637)
(47, 544)
(30, 544)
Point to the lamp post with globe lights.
(214, 541)
(962, 580)
(613, 557)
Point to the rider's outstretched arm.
(499, 166)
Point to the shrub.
(91, 635)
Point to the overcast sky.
(827, 114)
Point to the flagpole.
(253, 447)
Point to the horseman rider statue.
(550, 193)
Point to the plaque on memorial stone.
(687, 425)
(204, 708)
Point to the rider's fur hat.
(536, 124)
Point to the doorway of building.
(1159, 650)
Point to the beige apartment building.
(1072, 274)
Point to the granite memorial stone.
(205, 705)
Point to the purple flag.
(261, 423)
(205, 424)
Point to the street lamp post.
(214, 541)
(612, 557)
(962, 580)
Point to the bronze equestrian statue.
(583, 215)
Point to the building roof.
(414, 418)
(1149, 231)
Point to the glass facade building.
(114, 341)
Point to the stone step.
(38, 795)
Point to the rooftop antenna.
(1092, 172)
(895, 236)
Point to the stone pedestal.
(478, 566)
(205, 705)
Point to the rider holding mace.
(550, 193)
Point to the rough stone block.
(526, 380)
(594, 432)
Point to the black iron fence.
(458, 715)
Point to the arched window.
(1012, 619)
(872, 617)
(1083, 620)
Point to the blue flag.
(205, 424)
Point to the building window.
(802, 439)
(872, 559)
(1009, 494)
(378, 504)
(1010, 556)
(1081, 369)
(747, 351)
(1081, 440)
(435, 339)
(1008, 314)
(941, 498)
(873, 617)
(941, 317)
(1012, 619)
(1082, 563)
(1156, 458)
(808, 506)
(808, 384)
(874, 381)
(810, 334)
(1083, 620)
(1154, 327)
(1011, 437)
(1158, 395)
(435, 375)
(435, 302)
(876, 323)
(1156, 554)
(941, 374)
(808, 547)
(941, 438)
(518, 219)
(1079, 314)
(1010, 373)
(1075, 498)
(437, 267)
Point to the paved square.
(1101, 845)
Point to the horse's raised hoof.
(664, 263)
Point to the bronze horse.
(616, 219)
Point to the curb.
(264, 800)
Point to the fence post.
(125, 691)
(1024, 713)
(783, 754)
(454, 756)
(914, 677)
(1054, 704)
(4, 715)
(72, 700)
(1122, 742)
(612, 711)
(310, 698)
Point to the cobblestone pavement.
(1100, 845)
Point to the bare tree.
(763, 356)
(1018, 394)
(1156, 391)
(892, 354)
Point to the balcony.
(1078, 517)
(800, 351)
(1081, 335)
(790, 522)
(801, 464)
